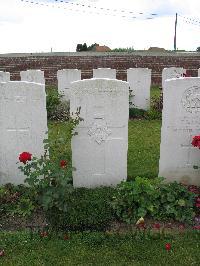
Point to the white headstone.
(172, 72)
(65, 77)
(104, 73)
(99, 151)
(180, 122)
(33, 75)
(4, 76)
(199, 72)
(139, 80)
(23, 124)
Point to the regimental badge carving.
(191, 99)
(99, 132)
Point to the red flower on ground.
(63, 163)
(156, 226)
(24, 157)
(2, 253)
(168, 246)
(66, 237)
(44, 234)
(181, 226)
(196, 227)
(196, 141)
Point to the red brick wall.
(52, 62)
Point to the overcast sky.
(27, 27)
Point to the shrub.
(16, 200)
(56, 108)
(176, 202)
(150, 197)
(85, 209)
(137, 199)
(135, 113)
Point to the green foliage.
(81, 47)
(176, 202)
(92, 46)
(153, 114)
(49, 179)
(150, 197)
(57, 109)
(135, 113)
(198, 49)
(53, 99)
(16, 200)
(137, 199)
(128, 49)
(85, 209)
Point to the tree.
(79, 47)
(84, 48)
(128, 49)
(198, 49)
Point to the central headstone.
(104, 73)
(23, 125)
(180, 123)
(99, 151)
(33, 75)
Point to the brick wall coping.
(136, 53)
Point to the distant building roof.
(156, 49)
(99, 48)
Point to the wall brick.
(52, 62)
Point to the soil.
(37, 221)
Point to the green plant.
(50, 176)
(57, 108)
(137, 198)
(87, 209)
(16, 200)
(135, 113)
(153, 114)
(176, 202)
(61, 112)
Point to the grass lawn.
(98, 249)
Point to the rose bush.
(50, 176)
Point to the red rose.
(198, 200)
(66, 237)
(196, 141)
(63, 163)
(156, 226)
(197, 205)
(24, 157)
(167, 246)
(2, 253)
